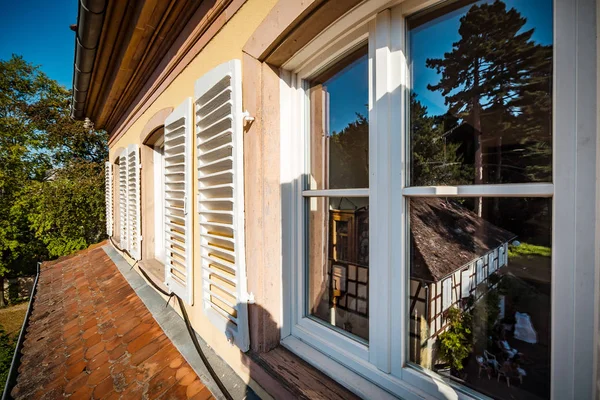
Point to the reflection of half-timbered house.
(349, 267)
(454, 253)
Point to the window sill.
(416, 385)
(343, 376)
(296, 377)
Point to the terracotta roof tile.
(90, 336)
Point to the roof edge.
(90, 20)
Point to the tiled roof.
(446, 236)
(90, 336)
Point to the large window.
(428, 157)
(338, 222)
(481, 114)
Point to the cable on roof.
(192, 334)
(188, 325)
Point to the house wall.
(427, 323)
(225, 45)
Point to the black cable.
(201, 353)
(123, 251)
(192, 334)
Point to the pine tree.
(435, 160)
(497, 79)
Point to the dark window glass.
(480, 295)
(339, 125)
(481, 102)
(338, 259)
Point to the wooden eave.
(137, 37)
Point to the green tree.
(348, 149)
(455, 342)
(51, 172)
(67, 212)
(496, 75)
(435, 160)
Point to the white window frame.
(356, 365)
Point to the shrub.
(455, 343)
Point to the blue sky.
(39, 31)
(348, 94)
(432, 40)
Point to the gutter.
(90, 19)
(11, 380)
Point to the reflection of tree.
(349, 152)
(497, 79)
(434, 160)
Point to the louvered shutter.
(123, 195)
(108, 193)
(178, 192)
(219, 140)
(446, 293)
(134, 235)
(465, 283)
(479, 271)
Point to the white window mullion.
(336, 193)
(499, 190)
(379, 189)
(398, 88)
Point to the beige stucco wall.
(226, 45)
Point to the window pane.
(497, 322)
(481, 105)
(338, 263)
(339, 126)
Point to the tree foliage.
(497, 81)
(348, 150)
(51, 171)
(455, 342)
(435, 159)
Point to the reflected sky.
(429, 42)
(348, 94)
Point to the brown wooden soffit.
(291, 25)
(138, 37)
(206, 22)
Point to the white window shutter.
(219, 140)
(134, 235)
(465, 283)
(501, 256)
(479, 271)
(108, 193)
(123, 196)
(446, 293)
(178, 192)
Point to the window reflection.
(338, 274)
(481, 106)
(339, 126)
(480, 293)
